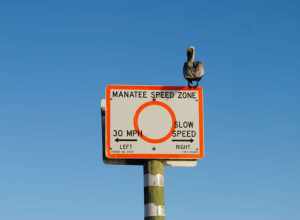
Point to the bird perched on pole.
(193, 70)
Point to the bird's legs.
(193, 85)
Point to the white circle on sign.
(155, 122)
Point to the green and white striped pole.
(154, 190)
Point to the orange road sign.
(154, 122)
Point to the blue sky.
(56, 57)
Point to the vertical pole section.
(154, 190)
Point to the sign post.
(152, 126)
(154, 201)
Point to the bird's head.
(190, 52)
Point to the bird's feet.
(193, 84)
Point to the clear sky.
(56, 57)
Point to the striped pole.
(154, 190)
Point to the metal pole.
(154, 190)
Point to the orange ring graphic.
(136, 124)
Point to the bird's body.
(193, 70)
